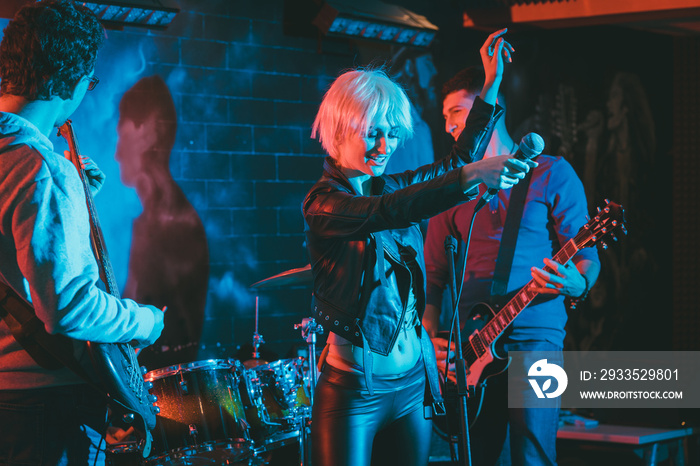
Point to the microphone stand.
(460, 366)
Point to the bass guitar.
(115, 363)
(479, 346)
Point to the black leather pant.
(352, 428)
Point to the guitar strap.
(49, 351)
(509, 238)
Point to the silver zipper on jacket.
(402, 318)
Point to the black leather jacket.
(344, 231)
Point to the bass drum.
(276, 400)
(201, 419)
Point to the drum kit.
(228, 412)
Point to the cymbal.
(292, 277)
(251, 363)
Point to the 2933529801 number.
(639, 374)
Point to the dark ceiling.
(670, 17)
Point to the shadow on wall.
(169, 259)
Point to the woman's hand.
(495, 52)
(500, 172)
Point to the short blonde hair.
(353, 102)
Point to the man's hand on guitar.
(158, 325)
(431, 319)
(117, 435)
(440, 345)
(564, 279)
(95, 176)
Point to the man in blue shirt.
(554, 210)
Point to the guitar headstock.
(608, 222)
(65, 130)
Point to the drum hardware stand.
(305, 441)
(257, 338)
(309, 329)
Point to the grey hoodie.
(46, 256)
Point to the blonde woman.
(373, 398)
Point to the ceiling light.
(361, 19)
(152, 14)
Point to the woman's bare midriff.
(404, 355)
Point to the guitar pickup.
(477, 344)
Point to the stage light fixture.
(151, 14)
(368, 19)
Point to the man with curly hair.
(47, 62)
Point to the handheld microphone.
(531, 145)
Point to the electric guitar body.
(493, 361)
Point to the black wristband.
(574, 302)
(586, 289)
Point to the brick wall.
(246, 95)
(251, 97)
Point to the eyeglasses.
(93, 80)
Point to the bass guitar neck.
(115, 363)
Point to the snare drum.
(201, 419)
(276, 401)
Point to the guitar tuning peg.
(598, 208)
(607, 201)
(614, 223)
(603, 230)
(604, 245)
(624, 229)
(614, 238)
(606, 210)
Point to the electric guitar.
(479, 347)
(116, 364)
